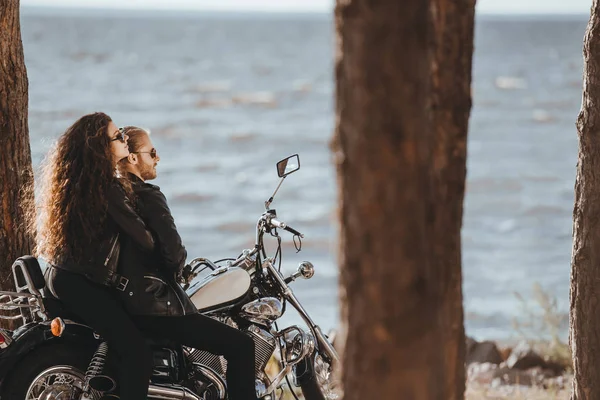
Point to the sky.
(483, 6)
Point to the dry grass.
(485, 392)
(475, 392)
(543, 325)
(541, 328)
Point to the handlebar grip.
(285, 227)
(293, 231)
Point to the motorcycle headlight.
(263, 310)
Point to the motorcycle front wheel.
(317, 379)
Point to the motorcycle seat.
(29, 275)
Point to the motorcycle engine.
(214, 362)
(264, 344)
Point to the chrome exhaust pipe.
(160, 392)
(102, 383)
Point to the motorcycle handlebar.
(284, 226)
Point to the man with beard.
(153, 297)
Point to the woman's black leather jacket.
(153, 287)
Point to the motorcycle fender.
(28, 337)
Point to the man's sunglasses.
(120, 136)
(151, 152)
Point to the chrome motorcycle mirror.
(305, 270)
(285, 167)
(288, 166)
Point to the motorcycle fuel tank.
(221, 287)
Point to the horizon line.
(58, 7)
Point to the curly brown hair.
(76, 176)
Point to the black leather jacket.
(122, 220)
(153, 287)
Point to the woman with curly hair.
(84, 210)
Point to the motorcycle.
(55, 356)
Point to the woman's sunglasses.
(151, 152)
(120, 136)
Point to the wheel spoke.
(330, 387)
(58, 377)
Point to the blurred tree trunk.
(16, 176)
(453, 26)
(584, 335)
(403, 100)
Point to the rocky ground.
(518, 372)
(514, 393)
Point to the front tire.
(54, 366)
(317, 379)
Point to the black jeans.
(99, 308)
(204, 333)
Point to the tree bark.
(453, 36)
(403, 73)
(16, 174)
(584, 334)
(383, 147)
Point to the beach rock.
(557, 383)
(470, 342)
(555, 368)
(507, 376)
(540, 374)
(482, 352)
(523, 357)
(537, 376)
(505, 353)
(481, 373)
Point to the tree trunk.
(453, 26)
(383, 151)
(403, 101)
(584, 332)
(16, 175)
